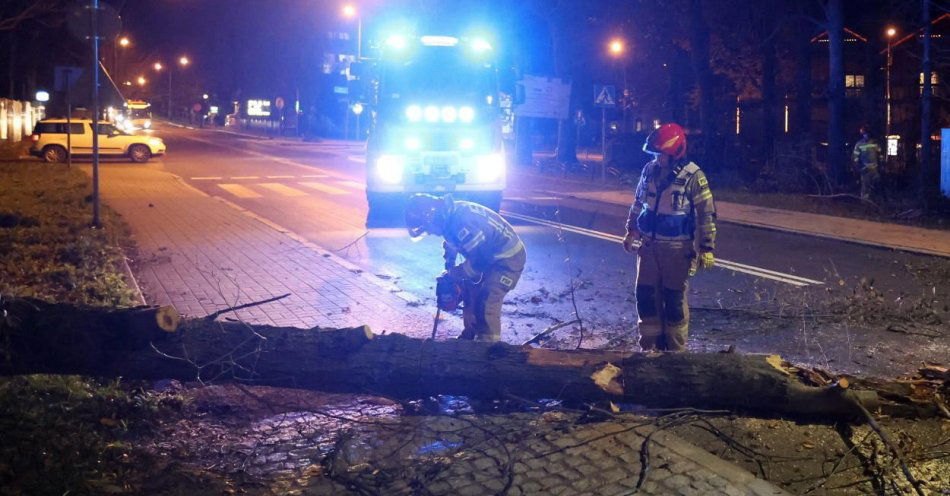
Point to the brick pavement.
(202, 254)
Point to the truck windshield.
(438, 74)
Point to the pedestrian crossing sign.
(605, 95)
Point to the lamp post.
(183, 61)
(350, 11)
(122, 41)
(617, 48)
(891, 32)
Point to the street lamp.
(891, 32)
(119, 42)
(184, 61)
(157, 66)
(350, 11)
(616, 48)
(141, 81)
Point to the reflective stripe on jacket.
(480, 235)
(675, 207)
(867, 153)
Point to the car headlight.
(489, 168)
(155, 142)
(466, 114)
(414, 113)
(389, 168)
(148, 123)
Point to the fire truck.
(436, 125)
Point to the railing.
(17, 119)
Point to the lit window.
(933, 78)
(854, 81)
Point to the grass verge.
(47, 248)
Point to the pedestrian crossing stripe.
(352, 184)
(282, 189)
(239, 190)
(323, 188)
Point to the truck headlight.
(449, 114)
(432, 113)
(489, 168)
(466, 114)
(148, 123)
(412, 143)
(414, 113)
(389, 168)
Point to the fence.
(17, 119)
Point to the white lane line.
(725, 264)
(280, 177)
(352, 184)
(323, 188)
(206, 178)
(239, 191)
(533, 198)
(245, 177)
(355, 158)
(314, 176)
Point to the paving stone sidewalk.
(201, 254)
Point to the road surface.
(771, 292)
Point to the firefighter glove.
(707, 260)
(632, 242)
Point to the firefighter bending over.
(494, 257)
(672, 227)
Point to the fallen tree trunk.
(38, 338)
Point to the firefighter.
(494, 257)
(672, 228)
(867, 161)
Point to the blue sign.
(605, 96)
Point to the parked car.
(50, 141)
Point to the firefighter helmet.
(668, 139)
(422, 212)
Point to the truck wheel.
(54, 154)
(139, 153)
(385, 209)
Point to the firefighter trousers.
(662, 281)
(482, 299)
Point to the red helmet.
(668, 139)
(422, 212)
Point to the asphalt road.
(769, 295)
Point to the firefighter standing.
(494, 256)
(867, 160)
(672, 227)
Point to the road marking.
(206, 178)
(533, 198)
(354, 158)
(352, 184)
(330, 190)
(316, 176)
(281, 177)
(725, 264)
(282, 189)
(244, 177)
(239, 191)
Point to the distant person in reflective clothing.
(672, 228)
(867, 160)
(494, 256)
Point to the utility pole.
(928, 176)
(94, 16)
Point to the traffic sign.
(545, 98)
(605, 96)
(279, 103)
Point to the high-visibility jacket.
(674, 204)
(480, 235)
(867, 153)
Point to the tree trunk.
(836, 141)
(801, 117)
(699, 51)
(929, 175)
(43, 338)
